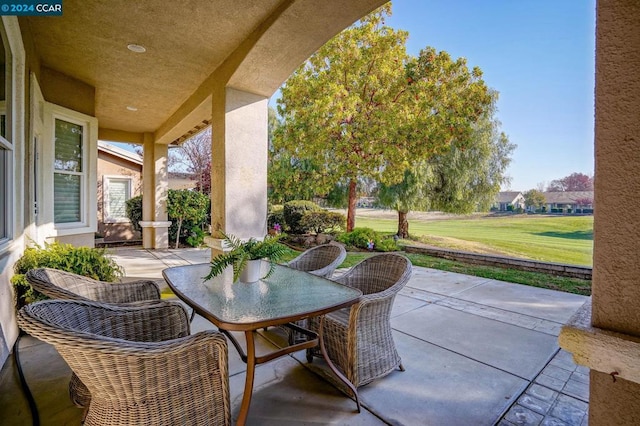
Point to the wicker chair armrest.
(370, 306)
(158, 350)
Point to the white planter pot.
(252, 272)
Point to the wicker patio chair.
(58, 284)
(322, 261)
(358, 339)
(139, 362)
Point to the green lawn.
(562, 239)
(536, 279)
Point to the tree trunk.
(403, 225)
(178, 234)
(351, 211)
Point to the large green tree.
(463, 179)
(534, 198)
(362, 108)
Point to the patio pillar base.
(155, 234)
(615, 372)
(216, 245)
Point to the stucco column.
(155, 188)
(238, 165)
(606, 336)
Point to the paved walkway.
(476, 352)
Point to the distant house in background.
(505, 199)
(119, 179)
(569, 202)
(180, 180)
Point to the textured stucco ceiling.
(186, 41)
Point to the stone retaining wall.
(574, 271)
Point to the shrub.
(134, 211)
(294, 211)
(276, 215)
(187, 210)
(386, 244)
(86, 261)
(195, 216)
(196, 237)
(360, 238)
(322, 222)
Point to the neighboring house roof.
(119, 152)
(507, 196)
(181, 180)
(567, 197)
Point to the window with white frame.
(69, 174)
(5, 189)
(116, 190)
(6, 147)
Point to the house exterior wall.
(113, 166)
(508, 198)
(16, 217)
(31, 120)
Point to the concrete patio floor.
(476, 352)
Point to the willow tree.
(463, 179)
(361, 107)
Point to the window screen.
(68, 175)
(119, 191)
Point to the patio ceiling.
(191, 45)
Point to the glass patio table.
(286, 296)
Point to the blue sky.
(539, 55)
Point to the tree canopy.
(361, 107)
(194, 157)
(573, 182)
(534, 198)
(463, 179)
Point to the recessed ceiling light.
(136, 48)
(132, 108)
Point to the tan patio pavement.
(476, 352)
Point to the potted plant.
(245, 257)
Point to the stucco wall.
(8, 325)
(78, 240)
(616, 272)
(616, 295)
(60, 89)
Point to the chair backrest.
(58, 284)
(67, 321)
(320, 260)
(379, 273)
(139, 362)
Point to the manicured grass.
(535, 279)
(561, 239)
